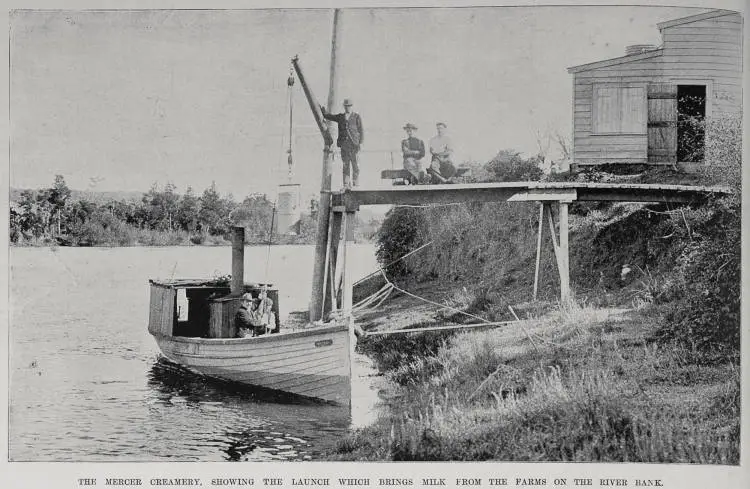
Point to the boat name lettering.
(323, 343)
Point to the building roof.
(616, 61)
(694, 18)
(657, 52)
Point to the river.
(87, 382)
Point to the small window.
(619, 110)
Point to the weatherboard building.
(641, 108)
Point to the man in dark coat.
(413, 150)
(244, 319)
(350, 138)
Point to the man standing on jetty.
(350, 139)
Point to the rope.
(385, 291)
(442, 306)
(287, 108)
(424, 206)
(289, 101)
(290, 84)
(439, 328)
(270, 240)
(377, 298)
(380, 270)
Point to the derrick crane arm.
(314, 106)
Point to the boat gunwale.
(274, 337)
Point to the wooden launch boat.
(193, 324)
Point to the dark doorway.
(691, 119)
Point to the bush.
(403, 230)
(103, 230)
(393, 354)
(723, 152)
(707, 315)
(509, 166)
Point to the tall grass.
(581, 385)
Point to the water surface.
(87, 382)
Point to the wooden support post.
(348, 281)
(538, 249)
(317, 297)
(333, 251)
(347, 288)
(564, 254)
(561, 248)
(561, 266)
(553, 233)
(238, 261)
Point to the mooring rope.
(379, 270)
(443, 306)
(427, 206)
(384, 292)
(377, 298)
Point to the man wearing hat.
(441, 168)
(413, 151)
(244, 319)
(350, 138)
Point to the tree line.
(162, 217)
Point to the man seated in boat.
(244, 319)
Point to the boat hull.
(313, 363)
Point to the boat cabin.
(200, 308)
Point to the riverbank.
(572, 384)
(158, 238)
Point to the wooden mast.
(238, 261)
(321, 242)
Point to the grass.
(582, 384)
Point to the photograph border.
(60, 474)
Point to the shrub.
(393, 352)
(509, 166)
(403, 230)
(707, 316)
(723, 152)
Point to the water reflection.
(254, 423)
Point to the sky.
(119, 100)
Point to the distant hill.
(92, 196)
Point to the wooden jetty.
(550, 195)
(337, 210)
